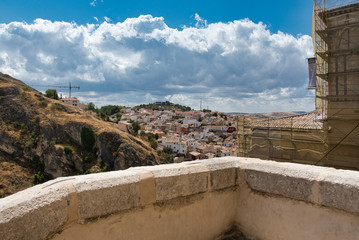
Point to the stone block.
(34, 213)
(147, 186)
(106, 193)
(178, 180)
(223, 171)
(340, 189)
(286, 179)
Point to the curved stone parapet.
(222, 191)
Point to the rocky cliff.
(42, 138)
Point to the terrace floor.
(234, 234)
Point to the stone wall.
(190, 200)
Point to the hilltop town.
(185, 135)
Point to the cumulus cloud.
(235, 66)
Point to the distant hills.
(164, 106)
(272, 114)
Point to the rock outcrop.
(47, 136)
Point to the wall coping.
(44, 209)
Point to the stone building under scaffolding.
(330, 135)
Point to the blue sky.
(238, 56)
(292, 16)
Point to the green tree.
(52, 93)
(150, 136)
(118, 116)
(135, 127)
(111, 109)
(167, 150)
(90, 106)
(153, 144)
(101, 114)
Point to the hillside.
(164, 106)
(42, 138)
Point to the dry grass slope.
(34, 130)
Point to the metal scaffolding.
(330, 135)
(300, 138)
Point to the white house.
(175, 144)
(192, 143)
(72, 101)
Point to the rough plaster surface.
(290, 180)
(340, 189)
(190, 200)
(278, 218)
(202, 217)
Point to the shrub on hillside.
(57, 106)
(87, 138)
(67, 149)
(153, 144)
(43, 103)
(39, 178)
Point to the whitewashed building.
(175, 144)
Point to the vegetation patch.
(103, 166)
(31, 142)
(57, 107)
(15, 124)
(43, 103)
(39, 178)
(51, 93)
(87, 138)
(26, 89)
(111, 109)
(67, 150)
(135, 127)
(164, 106)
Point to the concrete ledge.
(106, 193)
(340, 189)
(223, 171)
(40, 211)
(177, 180)
(318, 185)
(286, 179)
(34, 213)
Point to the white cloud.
(94, 3)
(236, 66)
(200, 22)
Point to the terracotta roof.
(312, 120)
